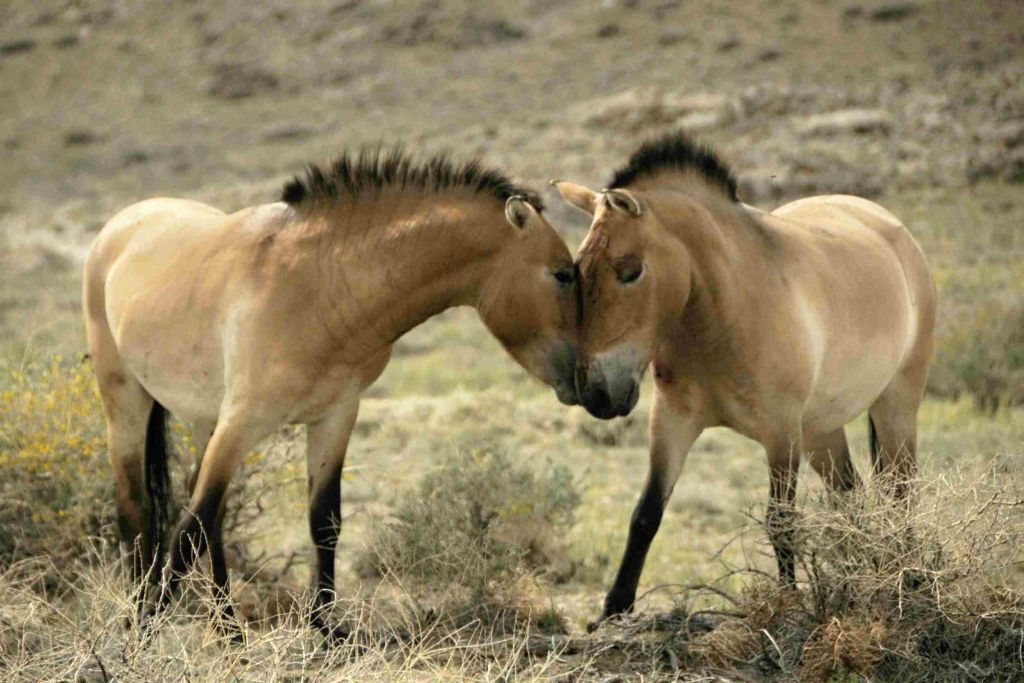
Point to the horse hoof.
(229, 628)
(333, 635)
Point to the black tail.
(873, 442)
(158, 485)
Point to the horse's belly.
(175, 362)
(848, 385)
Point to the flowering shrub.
(55, 486)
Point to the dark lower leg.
(190, 537)
(780, 516)
(642, 529)
(324, 526)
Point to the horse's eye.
(631, 275)
(565, 276)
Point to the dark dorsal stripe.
(676, 152)
(351, 175)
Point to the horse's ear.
(518, 211)
(580, 196)
(623, 200)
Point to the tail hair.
(873, 441)
(158, 485)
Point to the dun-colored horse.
(783, 326)
(285, 313)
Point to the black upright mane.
(676, 152)
(373, 170)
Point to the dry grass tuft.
(93, 636)
(929, 591)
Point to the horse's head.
(629, 272)
(531, 301)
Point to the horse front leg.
(784, 453)
(326, 443)
(672, 433)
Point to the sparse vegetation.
(925, 592)
(893, 593)
(476, 522)
(55, 492)
(984, 356)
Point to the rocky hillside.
(110, 101)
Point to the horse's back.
(145, 217)
(847, 215)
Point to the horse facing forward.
(285, 313)
(783, 326)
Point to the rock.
(14, 47)
(893, 11)
(701, 121)
(1008, 134)
(845, 121)
(671, 37)
(1000, 164)
(135, 157)
(727, 44)
(65, 42)
(609, 30)
(471, 31)
(495, 31)
(343, 7)
(644, 107)
(629, 108)
(681, 105)
(81, 138)
(912, 173)
(234, 81)
(287, 132)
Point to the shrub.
(886, 591)
(55, 488)
(476, 520)
(984, 357)
(891, 593)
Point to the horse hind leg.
(829, 455)
(892, 421)
(127, 407)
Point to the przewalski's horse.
(284, 313)
(783, 326)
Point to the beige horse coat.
(783, 326)
(284, 313)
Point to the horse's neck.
(731, 263)
(397, 266)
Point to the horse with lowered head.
(284, 313)
(783, 326)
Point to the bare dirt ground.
(919, 104)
